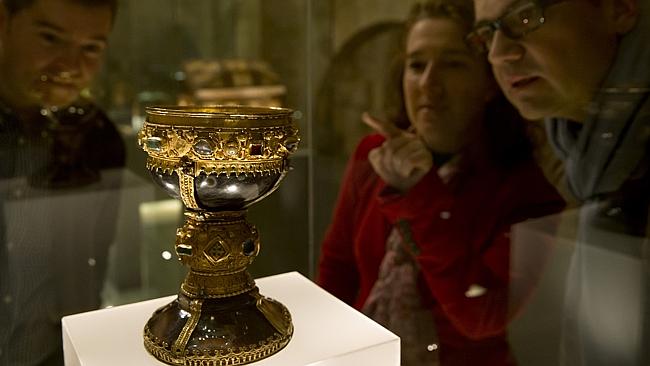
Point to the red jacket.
(462, 231)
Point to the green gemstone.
(154, 144)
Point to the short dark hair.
(14, 6)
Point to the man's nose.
(503, 49)
(70, 61)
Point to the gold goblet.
(218, 161)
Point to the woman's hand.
(402, 160)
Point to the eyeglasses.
(520, 19)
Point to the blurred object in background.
(143, 99)
(236, 81)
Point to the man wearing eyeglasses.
(584, 67)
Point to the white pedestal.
(326, 331)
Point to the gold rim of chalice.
(224, 116)
(219, 139)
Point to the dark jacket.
(59, 186)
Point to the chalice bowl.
(218, 160)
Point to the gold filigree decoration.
(218, 247)
(216, 286)
(276, 314)
(229, 357)
(186, 185)
(181, 342)
(202, 231)
(218, 150)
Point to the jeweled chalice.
(218, 161)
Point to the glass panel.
(210, 52)
(576, 281)
(498, 268)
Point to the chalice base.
(224, 331)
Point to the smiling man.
(582, 66)
(53, 140)
(50, 50)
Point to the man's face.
(554, 70)
(50, 51)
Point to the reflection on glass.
(420, 236)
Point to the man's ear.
(624, 15)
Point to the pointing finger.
(384, 128)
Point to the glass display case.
(310, 56)
(208, 53)
(109, 242)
